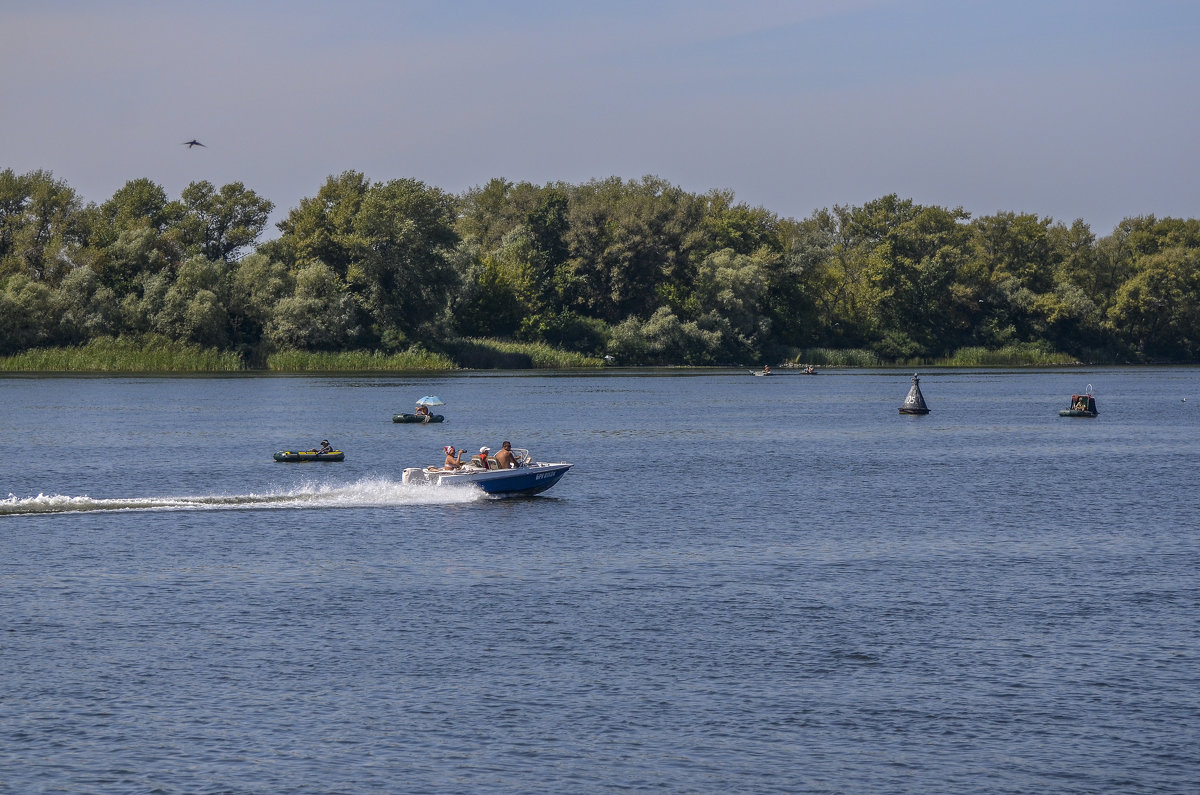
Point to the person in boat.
(810, 370)
(505, 458)
(422, 412)
(483, 454)
(766, 369)
(452, 461)
(325, 448)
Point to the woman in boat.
(452, 462)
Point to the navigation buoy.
(915, 402)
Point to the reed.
(837, 357)
(356, 361)
(123, 355)
(487, 354)
(1029, 354)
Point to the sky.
(1067, 109)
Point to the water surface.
(744, 584)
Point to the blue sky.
(1063, 108)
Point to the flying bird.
(191, 143)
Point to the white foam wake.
(367, 493)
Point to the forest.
(630, 272)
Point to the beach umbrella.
(431, 400)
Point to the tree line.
(640, 270)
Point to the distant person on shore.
(452, 462)
(505, 458)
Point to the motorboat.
(1081, 405)
(521, 481)
(292, 456)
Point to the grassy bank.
(349, 361)
(1019, 355)
(1022, 355)
(109, 355)
(487, 354)
(837, 357)
(158, 355)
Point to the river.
(743, 585)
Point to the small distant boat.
(809, 370)
(292, 456)
(764, 371)
(1081, 405)
(915, 402)
(523, 481)
(418, 418)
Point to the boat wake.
(367, 493)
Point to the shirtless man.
(505, 457)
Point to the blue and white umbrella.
(431, 400)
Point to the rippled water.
(744, 584)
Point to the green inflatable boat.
(309, 455)
(417, 418)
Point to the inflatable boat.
(309, 455)
(1081, 405)
(417, 418)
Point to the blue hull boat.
(522, 481)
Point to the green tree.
(914, 269)
(732, 287)
(405, 276)
(220, 224)
(85, 308)
(322, 228)
(319, 315)
(1158, 310)
(628, 240)
(41, 225)
(27, 314)
(192, 309)
(133, 232)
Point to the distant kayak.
(417, 418)
(292, 456)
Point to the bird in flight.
(191, 143)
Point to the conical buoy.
(915, 402)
